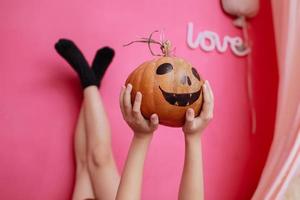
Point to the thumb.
(154, 121)
(189, 117)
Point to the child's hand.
(133, 116)
(195, 126)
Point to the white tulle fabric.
(281, 176)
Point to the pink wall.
(40, 95)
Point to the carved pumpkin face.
(169, 86)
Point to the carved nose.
(186, 80)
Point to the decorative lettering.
(209, 41)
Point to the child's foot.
(102, 59)
(70, 52)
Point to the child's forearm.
(191, 186)
(131, 180)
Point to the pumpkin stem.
(165, 46)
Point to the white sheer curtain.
(281, 176)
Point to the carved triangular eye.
(164, 68)
(195, 73)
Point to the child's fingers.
(127, 100)
(154, 121)
(136, 110)
(121, 99)
(207, 110)
(211, 94)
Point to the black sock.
(101, 62)
(69, 51)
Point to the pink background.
(41, 96)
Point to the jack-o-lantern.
(169, 85)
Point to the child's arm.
(131, 179)
(191, 186)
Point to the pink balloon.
(247, 8)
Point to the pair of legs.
(96, 172)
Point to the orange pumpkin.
(169, 85)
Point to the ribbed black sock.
(101, 62)
(70, 52)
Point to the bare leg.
(92, 137)
(83, 186)
(101, 164)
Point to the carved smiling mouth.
(182, 99)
